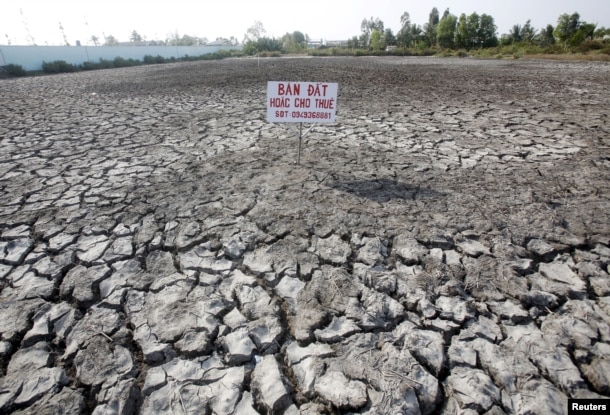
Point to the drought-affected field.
(444, 246)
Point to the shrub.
(58, 67)
(590, 45)
(119, 62)
(105, 64)
(15, 70)
(400, 52)
(149, 59)
(221, 54)
(102, 64)
(318, 52)
(88, 66)
(250, 48)
(378, 52)
(270, 54)
(337, 52)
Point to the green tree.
(464, 33)
(111, 41)
(255, 32)
(528, 33)
(571, 30)
(584, 32)
(476, 31)
(486, 32)
(519, 34)
(445, 35)
(473, 22)
(174, 39)
(135, 36)
(600, 32)
(187, 40)
(546, 37)
(375, 24)
(389, 38)
(403, 38)
(263, 44)
(95, 40)
(353, 43)
(430, 28)
(567, 25)
(294, 42)
(367, 27)
(417, 34)
(377, 40)
(299, 38)
(515, 34)
(269, 44)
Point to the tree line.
(255, 40)
(446, 31)
(173, 39)
(471, 31)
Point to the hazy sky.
(328, 19)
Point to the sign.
(312, 102)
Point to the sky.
(320, 19)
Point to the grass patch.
(589, 57)
(587, 51)
(269, 54)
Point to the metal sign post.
(301, 102)
(300, 139)
(301, 136)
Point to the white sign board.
(312, 102)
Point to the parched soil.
(443, 247)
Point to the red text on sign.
(325, 103)
(314, 91)
(302, 103)
(279, 102)
(294, 89)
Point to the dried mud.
(442, 248)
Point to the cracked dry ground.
(443, 248)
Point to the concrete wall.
(31, 57)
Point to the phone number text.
(303, 114)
